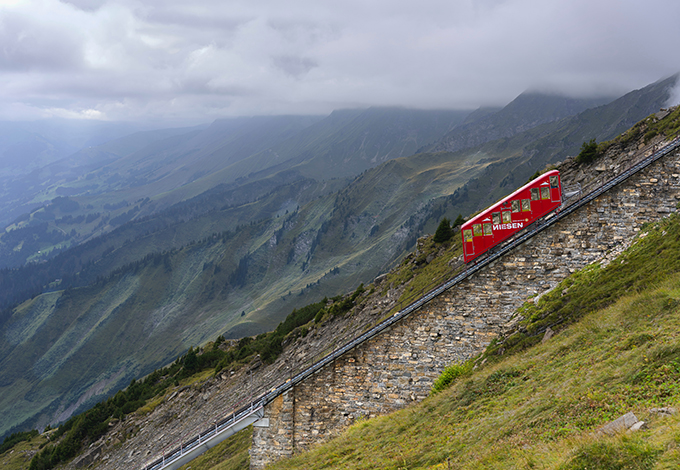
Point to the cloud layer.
(177, 61)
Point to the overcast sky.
(191, 61)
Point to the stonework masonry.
(399, 366)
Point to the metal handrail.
(168, 458)
(263, 400)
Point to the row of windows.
(504, 217)
(479, 229)
(545, 193)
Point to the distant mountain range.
(156, 241)
(525, 112)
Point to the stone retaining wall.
(398, 367)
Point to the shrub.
(319, 315)
(588, 152)
(13, 439)
(450, 374)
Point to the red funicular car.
(513, 213)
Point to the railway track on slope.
(252, 412)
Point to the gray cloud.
(177, 61)
(294, 66)
(28, 44)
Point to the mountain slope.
(229, 154)
(69, 176)
(546, 144)
(41, 154)
(641, 267)
(342, 145)
(624, 359)
(525, 112)
(196, 272)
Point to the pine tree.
(191, 361)
(444, 232)
(588, 152)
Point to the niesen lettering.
(514, 225)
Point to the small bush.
(450, 374)
(319, 315)
(588, 152)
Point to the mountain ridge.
(527, 111)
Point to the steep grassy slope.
(539, 408)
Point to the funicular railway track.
(252, 412)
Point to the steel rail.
(260, 402)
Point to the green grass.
(18, 457)
(420, 275)
(450, 374)
(232, 454)
(627, 453)
(539, 407)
